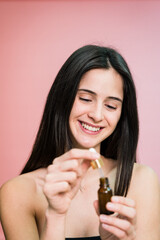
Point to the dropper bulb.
(92, 150)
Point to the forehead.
(105, 82)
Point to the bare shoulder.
(143, 169)
(18, 190)
(22, 189)
(20, 198)
(143, 175)
(145, 190)
(144, 180)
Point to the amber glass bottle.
(104, 196)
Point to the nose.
(96, 113)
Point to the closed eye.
(85, 99)
(111, 107)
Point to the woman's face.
(97, 107)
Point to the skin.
(97, 105)
(60, 201)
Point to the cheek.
(113, 118)
(74, 110)
(78, 109)
(118, 115)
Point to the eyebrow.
(88, 91)
(93, 93)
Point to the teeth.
(94, 129)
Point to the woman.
(92, 103)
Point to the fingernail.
(110, 205)
(115, 199)
(103, 217)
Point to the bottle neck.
(104, 182)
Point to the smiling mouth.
(89, 127)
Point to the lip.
(89, 124)
(88, 131)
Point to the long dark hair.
(53, 137)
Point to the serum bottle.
(104, 196)
(104, 192)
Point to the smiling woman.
(91, 104)
(97, 108)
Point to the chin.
(87, 145)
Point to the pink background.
(36, 37)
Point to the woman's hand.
(64, 176)
(120, 225)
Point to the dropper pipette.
(97, 164)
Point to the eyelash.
(111, 107)
(89, 100)
(85, 99)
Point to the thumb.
(95, 204)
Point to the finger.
(69, 177)
(122, 224)
(120, 228)
(123, 200)
(77, 154)
(123, 210)
(95, 204)
(51, 190)
(120, 234)
(70, 165)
